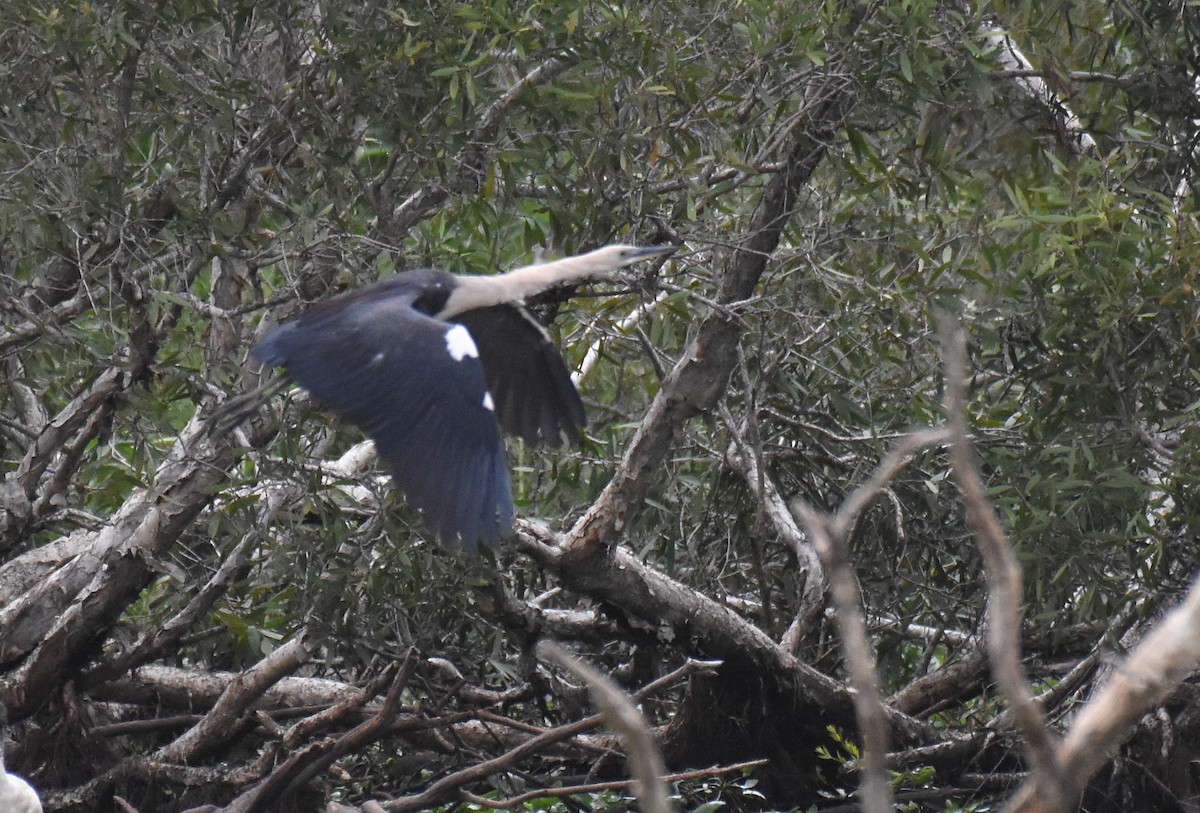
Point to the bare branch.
(896, 459)
(1013, 60)
(700, 376)
(812, 596)
(75, 414)
(60, 616)
(304, 764)
(222, 722)
(154, 642)
(628, 323)
(598, 787)
(36, 325)
(1156, 666)
(472, 158)
(1142, 681)
(448, 787)
(619, 713)
(831, 538)
(1004, 579)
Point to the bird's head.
(608, 262)
(620, 256)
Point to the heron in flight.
(16, 795)
(432, 366)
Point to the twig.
(744, 459)
(600, 787)
(699, 378)
(472, 158)
(323, 719)
(448, 787)
(299, 768)
(896, 459)
(628, 323)
(154, 642)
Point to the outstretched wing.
(415, 385)
(535, 399)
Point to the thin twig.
(159, 638)
(600, 787)
(449, 787)
(745, 459)
(299, 768)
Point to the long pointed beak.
(660, 250)
(640, 253)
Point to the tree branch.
(1156, 666)
(1004, 578)
(699, 378)
(222, 722)
(831, 538)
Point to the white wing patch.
(488, 403)
(460, 344)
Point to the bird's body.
(16, 795)
(432, 366)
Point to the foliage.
(177, 177)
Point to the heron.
(16, 795)
(433, 366)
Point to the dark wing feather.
(388, 369)
(535, 399)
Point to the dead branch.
(450, 786)
(599, 787)
(423, 202)
(222, 722)
(172, 686)
(831, 538)
(61, 616)
(700, 376)
(1004, 580)
(744, 459)
(335, 713)
(446, 788)
(860, 660)
(619, 713)
(952, 681)
(152, 643)
(52, 437)
(299, 768)
(1156, 666)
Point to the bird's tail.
(238, 408)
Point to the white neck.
(517, 285)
